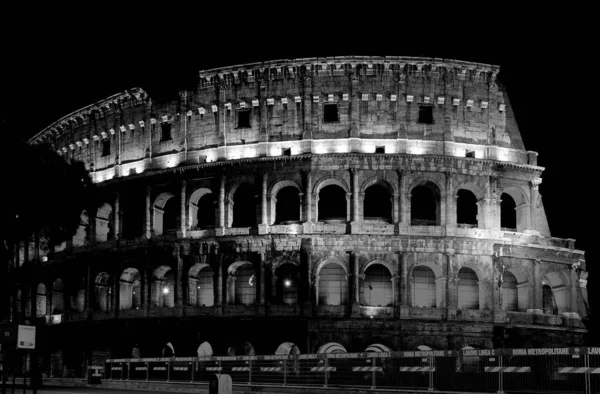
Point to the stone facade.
(353, 200)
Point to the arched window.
(81, 235)
(286, 349)
(245, 285)
(425, 205)
(287, 207)
(58, 302)
(378, 204)
(287, 283)
(170, 215)
(549, 302)
(78, 297)
(377, 286)
(163, 287)
(206, 211)
(133, 212)
(510, 293)
(333, 286)
(104, 223)
(245, 207)
(205, 350)
(466, 208)
(130, 289)
(508, 213)
(332, 204)
(331, 348)
(201, 286)
(468, 289)
(40, 300)
(424, 287)
(102, 292)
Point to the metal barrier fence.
(548, 370)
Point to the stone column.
(450, 202)
(574, 282)
(394, 280)
(231, 289)
(451, 301)
(355, 273)
(148, 213)
(222, 224)
(348, 206)
(179, 277)
(355, 196)
(308, 199)
(534, 195)
(316, 283)
(117, 222)
(263, 228)
(263, 284)
(395, 210)
(404, 279)
(402, 218)
(538, 302)
(219, 282)
(183, 220)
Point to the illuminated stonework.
(360, 201)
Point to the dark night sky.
(55, 63)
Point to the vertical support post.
(402, 213)
(284, 372)
(308, 197)
(147, 371)
(192, 368)
(534, 195)
(537, 285)
(500, 380)
(450, 212)
(374, 374)
(179, 277)
(148, 214)
(168, 370)
(326, 372)
(263, 285)
(249, 372)
(222, 203)
(183, 221)
(355, 202)
(117, 222)
(128, 370)
(588, 383)
(355, 290)
(431, 363)
(219, 286)
(263, 201)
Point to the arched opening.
(288, 278)
(425, 205)
(205, 350)
(424, 287)
(245, 289)
(286, 349)
(104, 223)
(377, 286)
(130, 292)
(332, 348)
(206, 216)
(468, 289)
(333, 286)
(58, 301)
(201, 286)
(510, 292)
(170, 215)
(332, 204)
(548, 300)
(103, 292)
(163, 287)
(245, 349)
(378, 204)
(508, 213)
(78, 297)
(245, 207)
(466, 208)
(377, 348)
(81, 235)
(287, 205)
(40, 300)
(133, 212)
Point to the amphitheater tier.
(355, 201)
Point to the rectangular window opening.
(330, 113)
(165, 132)
(243, 119)
(426, 114)
(471, 154)
(286, 151)
(380, 149)
(106, 147)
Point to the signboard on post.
(26, 337)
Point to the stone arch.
(201, 285)
(78, 297)
(163, 287)
(272, 196)
(331, 283)
(286, 281)
(130, 289)
(376, 205)
(204, 350)
(248, 212)
(468, 288)
(331, 348)
(193, 208)
(386, 263)
(286, 349)
(437, 270)
(510, 292)
(424, 287)
(163, 216)
(559, 284)
(327, 181)
(521, 214)
(104, 223)
(377, 284)
(241, 283)
(473, 187)
(523, 278)
(331, 201)
(475, 267)
(426, 209)
(326, 260)
(374, 180)
(102, 292)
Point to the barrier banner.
(138, 370)
(181, 371)
(159, 370)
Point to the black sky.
(57, 61)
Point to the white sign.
(26, 337)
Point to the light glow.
(287, 283)
(165, 290)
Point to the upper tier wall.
(371, 98)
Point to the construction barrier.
(548, 370)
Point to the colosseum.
(308, 205)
